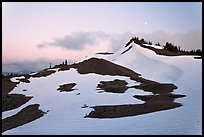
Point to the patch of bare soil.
(26, 115)
(100, 66)
(116, 86)
(152, 103)
(7, 85)
(161, 97)
(12, 101)
(103, 67)
(25, 80)
(156, 88)
(104, 53)
(43, 73)
(168, 53)
(141, 80)
(126, 50)
(62, 67)
(119, 86)
(161, 51)
(198, 57)
(116, 111)
(67, 87)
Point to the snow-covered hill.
(65, 109)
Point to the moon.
(145, 23)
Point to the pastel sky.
(33, 30)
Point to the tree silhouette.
(150, 43)
(142, 41)
(65, 62)
(157, 44)
(171, 47)
(11, 75)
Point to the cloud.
(41, 46)
(80, 41)
(76, 41)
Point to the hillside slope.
(66, 110)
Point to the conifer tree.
(65, 62)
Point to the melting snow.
(65, 114)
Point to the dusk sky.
(33, 31)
